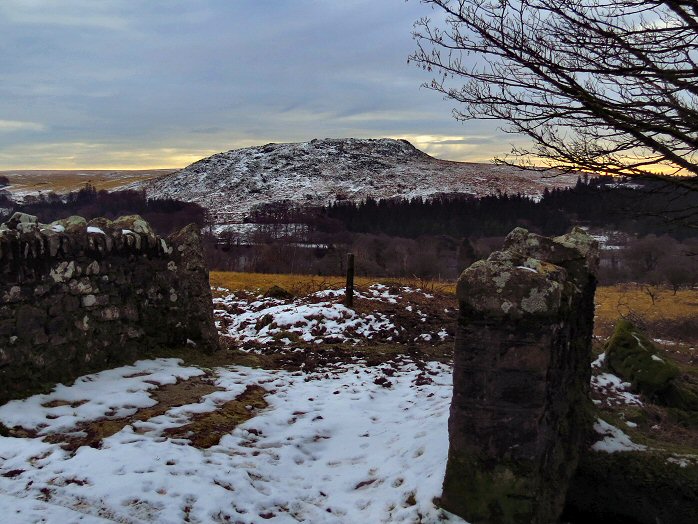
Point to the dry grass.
(207, 429)
(304, 284)
(671, 315)
(67, 181)
(613, 301)
(167, 396)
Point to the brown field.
(672, 316)
(302, 284)
(27, 182)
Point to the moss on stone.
(638, 487)
(72, 224)
(633, 357)
(493, 493)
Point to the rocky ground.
(314, 412)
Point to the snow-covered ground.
(332, 447)
(263, 319)
(343, 443)
(255, 322)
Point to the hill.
(318, 172)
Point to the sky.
(143, 84)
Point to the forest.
(646, 229)
(165, 215)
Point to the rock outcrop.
(78, 297)
(520, 408)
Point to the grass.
(623, 299)
(167, 396)
(672, 316)
(207, 429)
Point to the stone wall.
(520, 408)
(77, 297)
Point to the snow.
(58, 228)
(614, 390)
(330, 448)
(683, 461)
(527, 269)
(614, 440)
(27, 510)
(315, 318)
(599, 361)
(312, 322)
(664, 342)
(93, 229)
(232, 183)
(119, 392)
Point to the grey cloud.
(212, 74)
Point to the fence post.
(349, 294)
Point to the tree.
(605, 86)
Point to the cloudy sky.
(162, 83)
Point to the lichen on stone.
(519, 413)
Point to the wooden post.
(349, 294)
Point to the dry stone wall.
(78, 297)
(520, 409)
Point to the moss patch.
(499, 494)
(632, 356)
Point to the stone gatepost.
(520, 407)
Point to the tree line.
(601, 201)
(165, 215)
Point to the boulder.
(520, 408)
(639, 487)
(278, 292)
(23, 222)
(71, 225)
(633, 357)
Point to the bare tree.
(606, 86)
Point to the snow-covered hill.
(230, 184)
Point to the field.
(671, 316)
(33, 182)
(302, 284)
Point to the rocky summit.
(318, 172)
